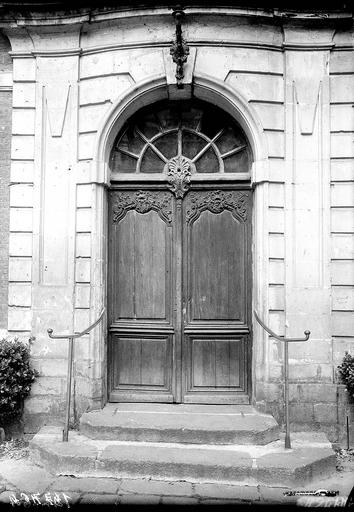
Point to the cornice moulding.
(343, 47)
(96, 15)
(46, 53)
(139, 46)
(308, 46)
(21, 55)
(57, 53)
(163, 44)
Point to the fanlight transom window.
(199, 135)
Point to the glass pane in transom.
(192, 144)
(208, 162)
(230, 140)
(122, 163)
(151, 162)
(167, 144)
(237, 162)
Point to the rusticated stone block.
(138, 499)
(24, 94)
(43, 405)
(325, 413)
(21, 195)
(20, 269)
(99, 499)
(158, 487)
(20, 294)
(19, 319)
(270, 391)
(312, 392)
(53, 367)
(21, 219)
(301, 413)
(311, 372)
(232, 492)
(87, 485)
(33, 422)
(48, 386)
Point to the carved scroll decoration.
(141, 201)
(216, 201)
(179, 175)
(179, 49)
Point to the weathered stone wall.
(315, 261)
(296, 80)
(5, 143)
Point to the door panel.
(217, 257)
(142, 362)
(141, 270)
(217, 362)
(217, 369)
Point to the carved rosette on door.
(179, 263)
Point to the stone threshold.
(181, 423)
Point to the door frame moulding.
(145, 93)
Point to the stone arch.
(143, 94)
(153, 90)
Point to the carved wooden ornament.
(142, 201)
(216, 201)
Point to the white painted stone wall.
(297, 80)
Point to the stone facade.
(288, 80)
(5, 141)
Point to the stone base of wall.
(307, 415)
(51, 412)
(317, 415)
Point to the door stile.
(179, 304)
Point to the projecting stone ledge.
(311, 457)
(170, 423)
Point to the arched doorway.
(179, 269)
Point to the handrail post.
(286, 372)
(71, 338)
(286, 397)
(68, 389)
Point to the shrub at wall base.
(16, 378)
(346, 401)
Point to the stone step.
(185, 423)
(311, 457)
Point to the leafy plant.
(346, 372)
(16, 377)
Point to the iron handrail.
(286, 371)
(276, 336)
(77, 335)
(71, 338)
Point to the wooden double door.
(179, 294)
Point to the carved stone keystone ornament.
(179, 175)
